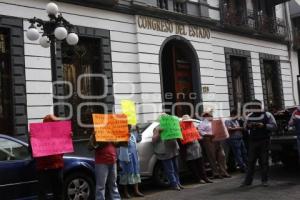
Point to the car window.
(11, 150)
(142, 127)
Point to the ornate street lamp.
(56, 28)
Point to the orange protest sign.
(219, 130)
(111, 127)
(189, 132)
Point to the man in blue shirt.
(236, 141)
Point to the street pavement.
(284, 185)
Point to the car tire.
(159, 176)
(79, 185)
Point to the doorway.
(180, 77)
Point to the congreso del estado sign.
(168, 26)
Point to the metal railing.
(271, 25)
(247, 19)
(296, 40)
(239, 17)
(163, 4)
(179, 6)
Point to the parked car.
(150, 167)
(284, 140)
(18, 178)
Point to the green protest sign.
(170, 126)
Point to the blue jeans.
(106, 175)
(171, 170)
(239, 152)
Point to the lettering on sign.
(167, 26)
(111, 127)
(51, 138)
(170, 126)
(189, 132)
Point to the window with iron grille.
(83, 60)
(5, 84)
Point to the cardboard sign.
(128, 108)
(51, 138)
(170, 126)
(189, 132)
(219, 130)
(111, 127)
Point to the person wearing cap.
(167, 152)
(236, 141)
(295, 121)
(129, 163)
(259, 124)
(192, 153)
(214, 149)
(50, 171)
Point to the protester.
(167, 152)
(214, 149)
(129, 164)
(50, 171)
(105, 169)
(235, 140)
(295, 121)
(260, 124)
(193, 156)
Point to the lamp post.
(55, 29)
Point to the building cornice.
(215, 25)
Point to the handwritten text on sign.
(189, 132)
(111, 127)
(171, 127)
(167, 26)
(51, 138)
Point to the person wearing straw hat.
(192, 153)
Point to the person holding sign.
(214, 150)
(50, 171)
(129, 164)
(166, 147)
(109, 129)
(192, 151)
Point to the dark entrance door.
(240, 81)
(272, 85)
(180, 78)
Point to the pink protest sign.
(51, 138)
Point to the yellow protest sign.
(111, 127)
(128, 108)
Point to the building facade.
(166, 55)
